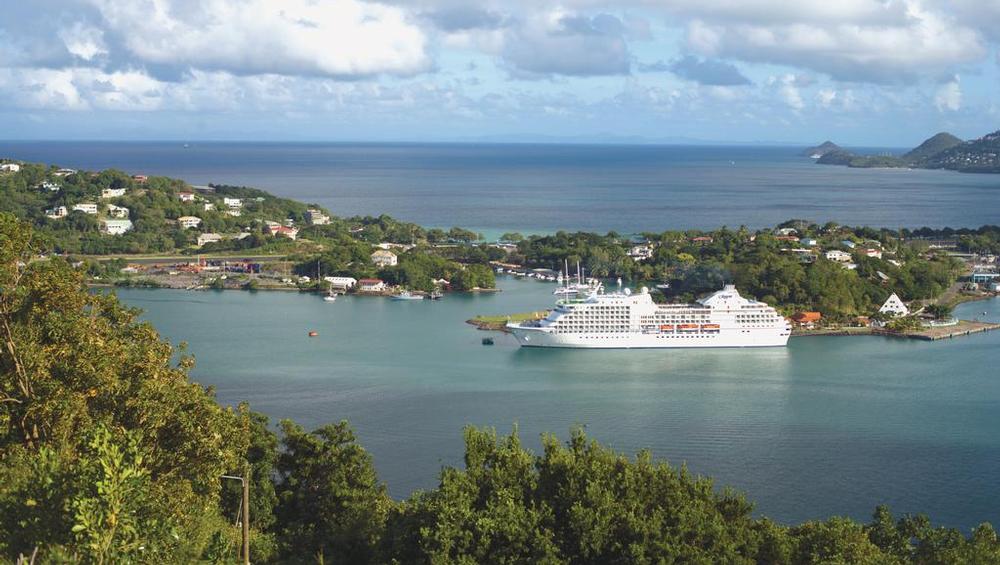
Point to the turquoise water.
(494, 188)
(827, 426)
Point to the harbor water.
(827, 426)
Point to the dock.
(962, 328)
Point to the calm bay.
(827, 426)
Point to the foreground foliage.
(108, 454)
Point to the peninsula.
(941, 151)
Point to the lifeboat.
(688, 327)
(667, 328)
(710, 327)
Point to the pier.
(962, 328)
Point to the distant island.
(941, 151)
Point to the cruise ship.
(626, 320)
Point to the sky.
(861, 72)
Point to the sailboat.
(330, 295)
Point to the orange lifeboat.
(710, 327)
(688, 327)
(667, 328)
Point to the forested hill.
(942, 151)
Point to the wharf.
(962, 328)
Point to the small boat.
(330, 297)
(407, 295)
(437, 295)
(313, 334)
(487, 341)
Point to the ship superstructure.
(633, 320)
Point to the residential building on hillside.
(382, 258)
(117, 211)
(112, 192)
(204, 238)
(115, 227)
(188, 222)
(838, 256)
(57, 212)
(85, 207)
(186, 196)
(317, 218)
(9, 167)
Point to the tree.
(330, 502)
(90, 393)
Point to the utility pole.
(245, 506)
(246, 514)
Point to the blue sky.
(861, 72)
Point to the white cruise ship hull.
(538, 337)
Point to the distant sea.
(543, 188)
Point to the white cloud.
(346, 38)
(949, 96)
(787, 88)
(567, 43)
(855, 40)
(83, 41)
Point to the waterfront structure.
(57, 212)
(204, 238)
(112, 193)
(85, 207)
(317, 218)
(371, 285)
(632, 320)
(984, 277)
(382, 258)
(807, 319)
(115, 227)
(893, 306)
(341, 283)
(188, 222)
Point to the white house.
(50, 186)
(115, 227)
(186, 196)
(208, 238)
(233, 202)
(64, 172)
(371, 285)
(9, 167)
(209, 206)
(317, 218)
(786, 231)
(640, 252)
(85, 207)
(112, 192)
(117, 211)
(341, 283)
(808, 242)
(57, 212)
(383, 258)
(873, 252)
(848, 244)
(235, 212)
(894, 306)
(838, 256)
(188, 222)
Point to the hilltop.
(932, 146)
(822, 149)
(941, 151)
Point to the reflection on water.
(828, 425)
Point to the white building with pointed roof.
(894, 306)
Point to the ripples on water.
(827, 426)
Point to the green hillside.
(932, 146)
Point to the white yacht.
(626, 320)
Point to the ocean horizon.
(539, 187)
